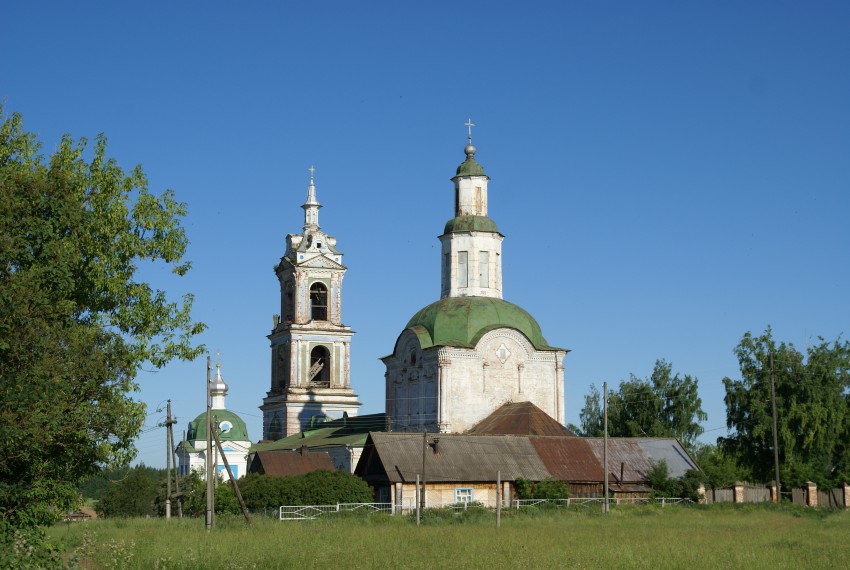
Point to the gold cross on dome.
(469, 124)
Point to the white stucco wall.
(451, 389)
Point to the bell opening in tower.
(319, 368)
(318, 302)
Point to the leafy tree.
(134, 495)
(76, 322)
(663, 405)
(719, 467)
(812, 410)
(663, 485)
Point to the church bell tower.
(310, 346)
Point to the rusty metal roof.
(568, 458)
(281, 463)
(454, 457)
(519, 418)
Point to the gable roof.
(449, 458)
(397, 457)
(282, 463)
(519, 418)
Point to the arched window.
(318, 302)
(320, 366)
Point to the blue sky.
(668, 175)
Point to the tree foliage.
(812, 410)
(663, 405)
(76, 322)
(320, 487)
(133, 495)
(663, 485)
(546, 489)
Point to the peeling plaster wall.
(451, 389)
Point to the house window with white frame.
(463, 495)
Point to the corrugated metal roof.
(634, 456)
(454, 457)
(568, 458)
(282, 463)
(519, 418)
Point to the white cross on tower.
(469, 124)
(312, 170)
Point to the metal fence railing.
(309, 512)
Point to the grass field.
(629, 537)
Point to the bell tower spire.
(311, 206)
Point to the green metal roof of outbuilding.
(462, 321)
(238, 431)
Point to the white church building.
(462, 357)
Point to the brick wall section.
(812, 493)
(739, 492)
(774, 492)
(846, 495)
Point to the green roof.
(348, 430)
(470, 224)
(462, 321)
(238, 430)
(470, 167)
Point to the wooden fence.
(810, 495)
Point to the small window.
(463, 495)
(318, 302)
(462, 269)
(484, 268)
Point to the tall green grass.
(629, 537)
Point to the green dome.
(462, 321)
(470, 167)
(238, 431)
(470, 224)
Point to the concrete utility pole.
(177, 494)
(168, 455)
(210, 487)
(424, 447)
(605, 446)
(498, 499)
(417, 499)
(775, 430)
(170, 421)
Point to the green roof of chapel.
(462, 321)
(238, 431)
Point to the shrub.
(546, 489)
